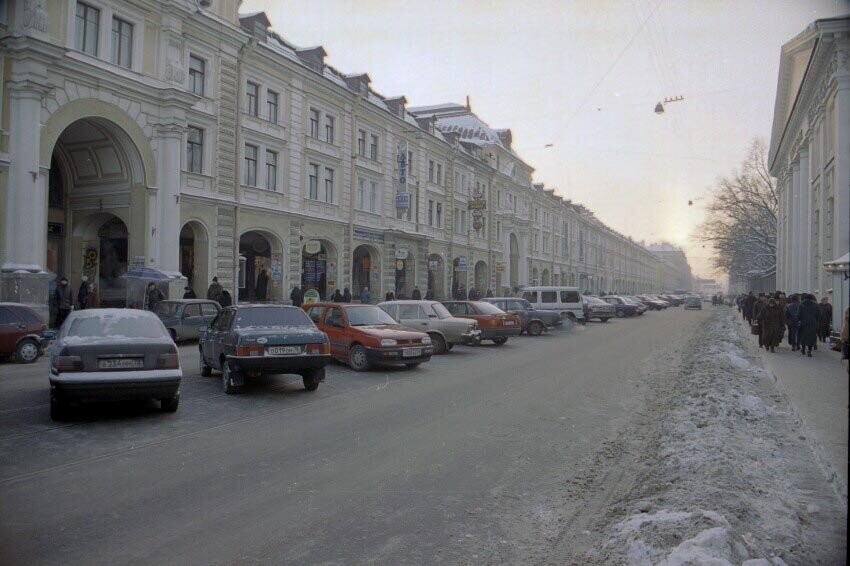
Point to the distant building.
(677, 275)
(707, 286)
(810, 157)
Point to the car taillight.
(67, 363)
(319, 349)
(168, 361)
(251, 350)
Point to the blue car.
(183, 317)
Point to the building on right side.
(810, 158)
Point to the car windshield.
(167, 309)
(442, 312)
(116, 325)
(269, 317)
(367, 316)
(487, 308)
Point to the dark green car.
(183, 317)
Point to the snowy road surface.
(640, 440)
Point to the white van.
(566, 300)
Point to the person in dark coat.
(214, 291)
(824, 320)
(337, 296)
(792, 319)
(489, 292)
(296, 296)
(83, 293)
(808, 325)
(224, 298)
(64, 301)
(416, 295)
(749, 303)
(189, 293)
(390, 296)
(153, 296)
(771, 320)
(429, 294)
(346, 295)
(474, 295)
(261, 291)
(760, 304)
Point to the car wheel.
(206, 370)
(449, 347)
(173, 334)
(58, 411)
(27, 351)
(500, 340)
(357, 358)
(620, 314)
(534, 328)
(603, 319)
(170, 404)
(312, 378)
(439, 344)
(412, 364)
(227, 379)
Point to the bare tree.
(741, 222)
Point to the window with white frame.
(440, 174)
(314, 123)
(272, 106)
(373, 148)
(250, 176)
(430, 212)
(536, 241)
(431, 170)
(197, 75)
(498, 230)
(545, 243)
(410, 162)
(87, 28)
(122, 42)
(463, 227)
(313, 182)
(361, 194)
(361, 143)
(374, 196)
(329, 184)
(439, 219)
(456, 218)
(329, 128)
(252, 98)
(271, 170)
(194, 150)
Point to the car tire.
(449, 347)
(58, 410)
(412, 365)
(357, 358)
(170, 404)
(534, 328)
(500, 340)
(620, 314)
(312, 378)
(27, 351)
(603, 319)
(230, 388)
(173, 334)
(439, 344)
(206, 370)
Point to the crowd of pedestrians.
(805, 322)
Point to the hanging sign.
(461, 263)
(277, 267)
(477, 204)
(311, 296)
(402, 197)
(500, 267)
(399, 265)
(402, 201)
(402, 252)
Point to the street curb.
(823, 460)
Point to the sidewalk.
(818, 389)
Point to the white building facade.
(810, 157)
(184, 137)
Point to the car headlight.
(426, 340)
(388, 342)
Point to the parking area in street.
(384, 465)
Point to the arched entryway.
(319, 267)
(366, 270)
(436, 276)
(544, 277)
(260, 267)
(405, 274)
(514, 257)
(481, 277)
(194, 256)
(102, 240)
(459, 271)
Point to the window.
(329, 129)
(430, 212)
(499, 199)
(314, 123)
(829, 131)
(548, 296)
(411, 312)
(373, 148)
(361, 194)
(361, 143)
(195, 150)
(530, 296)
(457, 220)
(440, 174)
(334, 317)
(570, 297)
(251, 165)
(409, 163)
(192, 309)
(208, 309)
(271, 170)
(498, 230)
(545, 243)
(329, 184)
(315, 313)
(373, 196)
(367, 200)
(272, 105)
(88, 28)
(314, 182)
(439, 215)
(122, 42)
(197, 75)
(463, 221)
(252, 98)
(431, 170)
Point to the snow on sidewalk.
(726, 477)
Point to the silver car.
(432, 317)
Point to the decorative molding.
(35, 15)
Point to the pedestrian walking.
(760, 304)
(214, 291)
(153, 296)
(489, 293)
(189, 293)
(474, 295)
(365, 296)
(261, 290)
(91, 297)
(224, 298)
(749, 304)
(714, 300)
(64, 302)
(416, 295)
(771, 319)
(824, 319)
(296, 296)
(808, 325)
(390, 296)
(83, 293)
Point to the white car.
(565, 300)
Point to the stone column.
(794, 232)
(805, 226)
(168, 142)
(841, 165)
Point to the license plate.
(510, 323)
(284, 350)
(411, 353)
(121, 363)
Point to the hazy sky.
(584, 76)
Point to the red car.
(364, 335)
(21, 332)
(495, 324)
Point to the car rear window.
(121, 325)
(269, 317)
(487, 308)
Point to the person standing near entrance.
(365, 296)
(64, 302)
(824, 319)
(83, 293)
(262, 288)
(154, 296)
(214, 291)
(91, 297)
(296, 296)
(416, 295)
(346, 295)
(189, 293)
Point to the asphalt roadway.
(389, 466)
